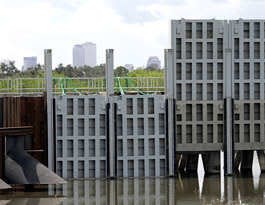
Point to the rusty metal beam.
(16, 131)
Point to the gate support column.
(111, 149)
(170, 111)
(48, 71)
(228, 104)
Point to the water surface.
(151, 191)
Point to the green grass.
(140, 80)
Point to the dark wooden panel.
(11, 112)
(28, 111)
(33, 113)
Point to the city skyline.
(135, 30)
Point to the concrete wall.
(248, 83)
(141, 142)
(82, 145)
(81, 136)
(205, 74)
(199, 83)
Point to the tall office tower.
(219, 85)
(90, 54)
(29, 62)
(153, 62)
(85, 54)
(78, 56)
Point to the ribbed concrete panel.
(81, 136)
(141, 142)
(248, 83)
(81, 144)
(199, 84)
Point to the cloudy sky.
(135, 29)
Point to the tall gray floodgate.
(213, 101)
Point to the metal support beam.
(48, 70)
(228, 134)
(170, 112)
(109, 72)
(111, 132)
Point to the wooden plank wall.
(28, 111)
(33, 113)
(11, 112)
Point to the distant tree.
(8, 69)
(36, 71)
(152, 68)
(77, 72)
(82, 71)
(141, 72)
(121, 71)
(68, 71)
(97, 71)
(60, 68)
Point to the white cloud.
(41, 25)
(135, 29)
(137, 10)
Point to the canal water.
(196, 189)
(162, 191)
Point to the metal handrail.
(82, 84)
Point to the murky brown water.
(158, 191)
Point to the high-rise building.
(78, 56)
(85, 54)
(153, 62)
(29, 62)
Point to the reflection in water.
(32, 201)
(230, 191)
(4, 202)
(256, 182)
(222, 177)
(201, 174)
(256, 170)
(151, 191)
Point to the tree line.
(9, 70)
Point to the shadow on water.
(162, 191)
